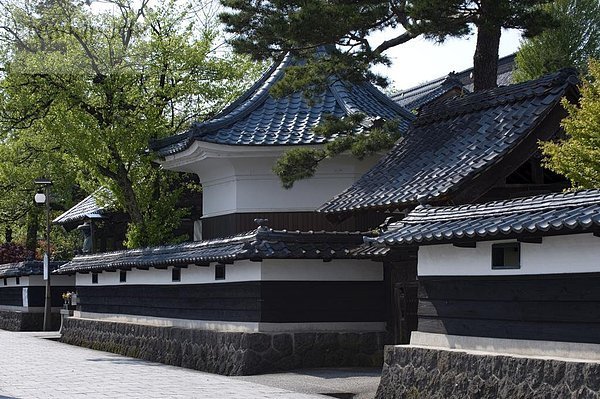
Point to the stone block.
(230, 353)
(416, 372)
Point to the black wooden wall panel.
(235, 223)
(11, 296)
(558, 307)
(253, 301)
(322, 301)
(36, 295)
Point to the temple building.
(270, 285)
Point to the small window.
(219, 272)
(506, 256)
(176, 274)
(18, 280)
(5, 281)
(123, 276)
(94, 278)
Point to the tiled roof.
(86, 209)
(262, 243)
(26, 268)
(559, 213)
(258, 119)
(416, 97)
(453, 142)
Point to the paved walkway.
(32, 367)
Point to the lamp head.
(40, 198)
(42, 181)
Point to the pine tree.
(267, 29)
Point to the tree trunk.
(33, 224)
(485, 61)
(131, 203)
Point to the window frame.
(220, 272)
(504, 246)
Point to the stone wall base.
(25, 321)
(418, 373)
(229, 353)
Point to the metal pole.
(48, 297)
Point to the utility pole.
(45, 199)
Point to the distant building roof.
(259, 244)
(86, 209)
(550, 214)
(461, 82)
(459, 141)
(258, 119)
(26, 268)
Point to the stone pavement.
(355, 383)
(32, 367)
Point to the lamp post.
(44, 198)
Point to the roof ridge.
(67, 215)
(222, 116)
(556, 81)
(498, 208)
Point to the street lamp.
(44, 198)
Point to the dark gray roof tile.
(26, 268)
(425, 93)
(558, 213)
(256, 118)
(452, 142)
(262, 243)
(86, 209)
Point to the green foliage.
(439, 19)
(572, 43)
(269, 29)
(578, 156)
(355, 134)
(90, 90)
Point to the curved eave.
(200, 151)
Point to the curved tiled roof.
(420, 95)
(258, 119)
(452, 142)
(559, 213)
(262, 243)
(86, 209)
(26, 268)
(414, 98)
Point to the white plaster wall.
(317, 270)
(12, 282)
(54, 280)
(244, 181)
(240, 271)
(232, 326)
(577, 253)
(268, 270)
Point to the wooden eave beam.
(531, 239)
(465, 244)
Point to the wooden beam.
(530, 240)
(202, 264)
(465, 244)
